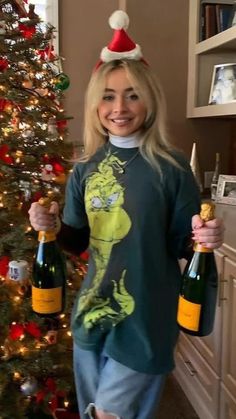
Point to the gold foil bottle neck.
(45, 202)
(207, 211)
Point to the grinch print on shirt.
(109, 224)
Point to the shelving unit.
(202, 56)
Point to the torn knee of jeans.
(90, 410)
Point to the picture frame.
(226, 190)
(223, 84)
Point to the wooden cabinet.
(229, 327)
(206, 367)
(202, 56)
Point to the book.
(232, 17)
(210, 19)
(215, 17)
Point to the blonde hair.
(154, 139)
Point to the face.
(121, 111)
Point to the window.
(48, 12)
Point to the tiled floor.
(174, 403)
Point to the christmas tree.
(35, 354)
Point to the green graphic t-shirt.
(140, 222)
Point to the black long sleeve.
(73, 240)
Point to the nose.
(120, 104)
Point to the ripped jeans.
(106, 384)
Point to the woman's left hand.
(209, 233)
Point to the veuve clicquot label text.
(47, 301)
(188, 314)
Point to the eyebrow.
(129, 89)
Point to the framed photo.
(223, 85)
(226, 190)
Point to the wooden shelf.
(225, 40)
(227, 110)
(202, 57)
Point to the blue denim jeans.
(106, 384)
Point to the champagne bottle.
(215, 177)
(197, 300)
(49, 274)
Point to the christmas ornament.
(3, 27)
(3, 64)
(62, 81)
(53, 170)
(47, 54)
(42, 92)
(84, 256)
(52, 126)
(3, 103)
(51, 337)
(27, 133)
(27, 31)
(4, 262)
(50, 394)
(18, 276)
(61, 125)
(33, 329)
(29, 386)
(4, 156)
(18, 270)
(24, 186)
(27, 84)
(16, 331)
(47, 173)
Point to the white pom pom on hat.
(119, 20)
(121, 45)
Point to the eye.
(112, 198)
(96, 202)
(108, 98)
(132, 97)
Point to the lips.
(121, 121)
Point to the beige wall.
(161, 28)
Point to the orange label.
(46, 236)
(188, 314)
(47, 301)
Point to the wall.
(161, 28)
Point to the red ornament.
(61, 125)
(16, 331)
(84, 255)
(47, 54)
(33, 329)
(3, 103)
(55, 163)
(51, 394)
(27, 31)
(4, 149)
(4, 262)
(3, 64)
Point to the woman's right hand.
(43, 218)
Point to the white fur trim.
(108, 55)
(119, 20)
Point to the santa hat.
(121, 46)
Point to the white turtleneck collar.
(130, 141)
